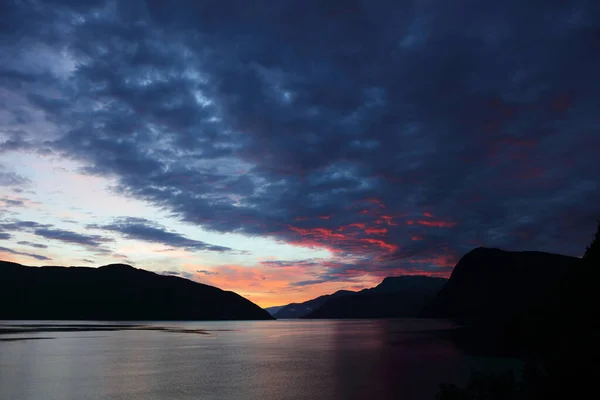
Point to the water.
(272, 360)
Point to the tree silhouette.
(592, 253)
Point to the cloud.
(36, 256)
(291, 263)
(11, 179)
(309, 282)
(36, 245)
(186, 275)
(205, 272)
(12, 202)
(72, 237)
(148, 231)
(5, 236)
(22, 225)
(377, 131)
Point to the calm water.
(356, 359)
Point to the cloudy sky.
(286, 149)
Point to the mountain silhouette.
(298, 310)
(114, 292)
(394, 297)
(492, 285)
(554, 331)
(273, 310)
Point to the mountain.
(408, 283)
(297, 310)
(273, 310)
(394, 297)
(491, 285)
(555, 333)
(114, 292)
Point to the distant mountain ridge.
(273, 310)
(114, 292)
(411, 283)
(490, 284)
(402, 296)
(487, 285)
(297, 310)
(395, 297)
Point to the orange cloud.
(358, 225)
(376, 231)
(380, 243)
(327, 238)
(318, 232)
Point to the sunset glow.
(288, 160)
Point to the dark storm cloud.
(16, 140)
(401, 133)
(148, 231)
(5, 236)
(20, 253)
(72, 237)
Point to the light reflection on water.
(294, 359)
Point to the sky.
(288, 149)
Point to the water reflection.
(382, 359)
(391, 360)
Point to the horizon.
(286, 151)
(166, 273)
